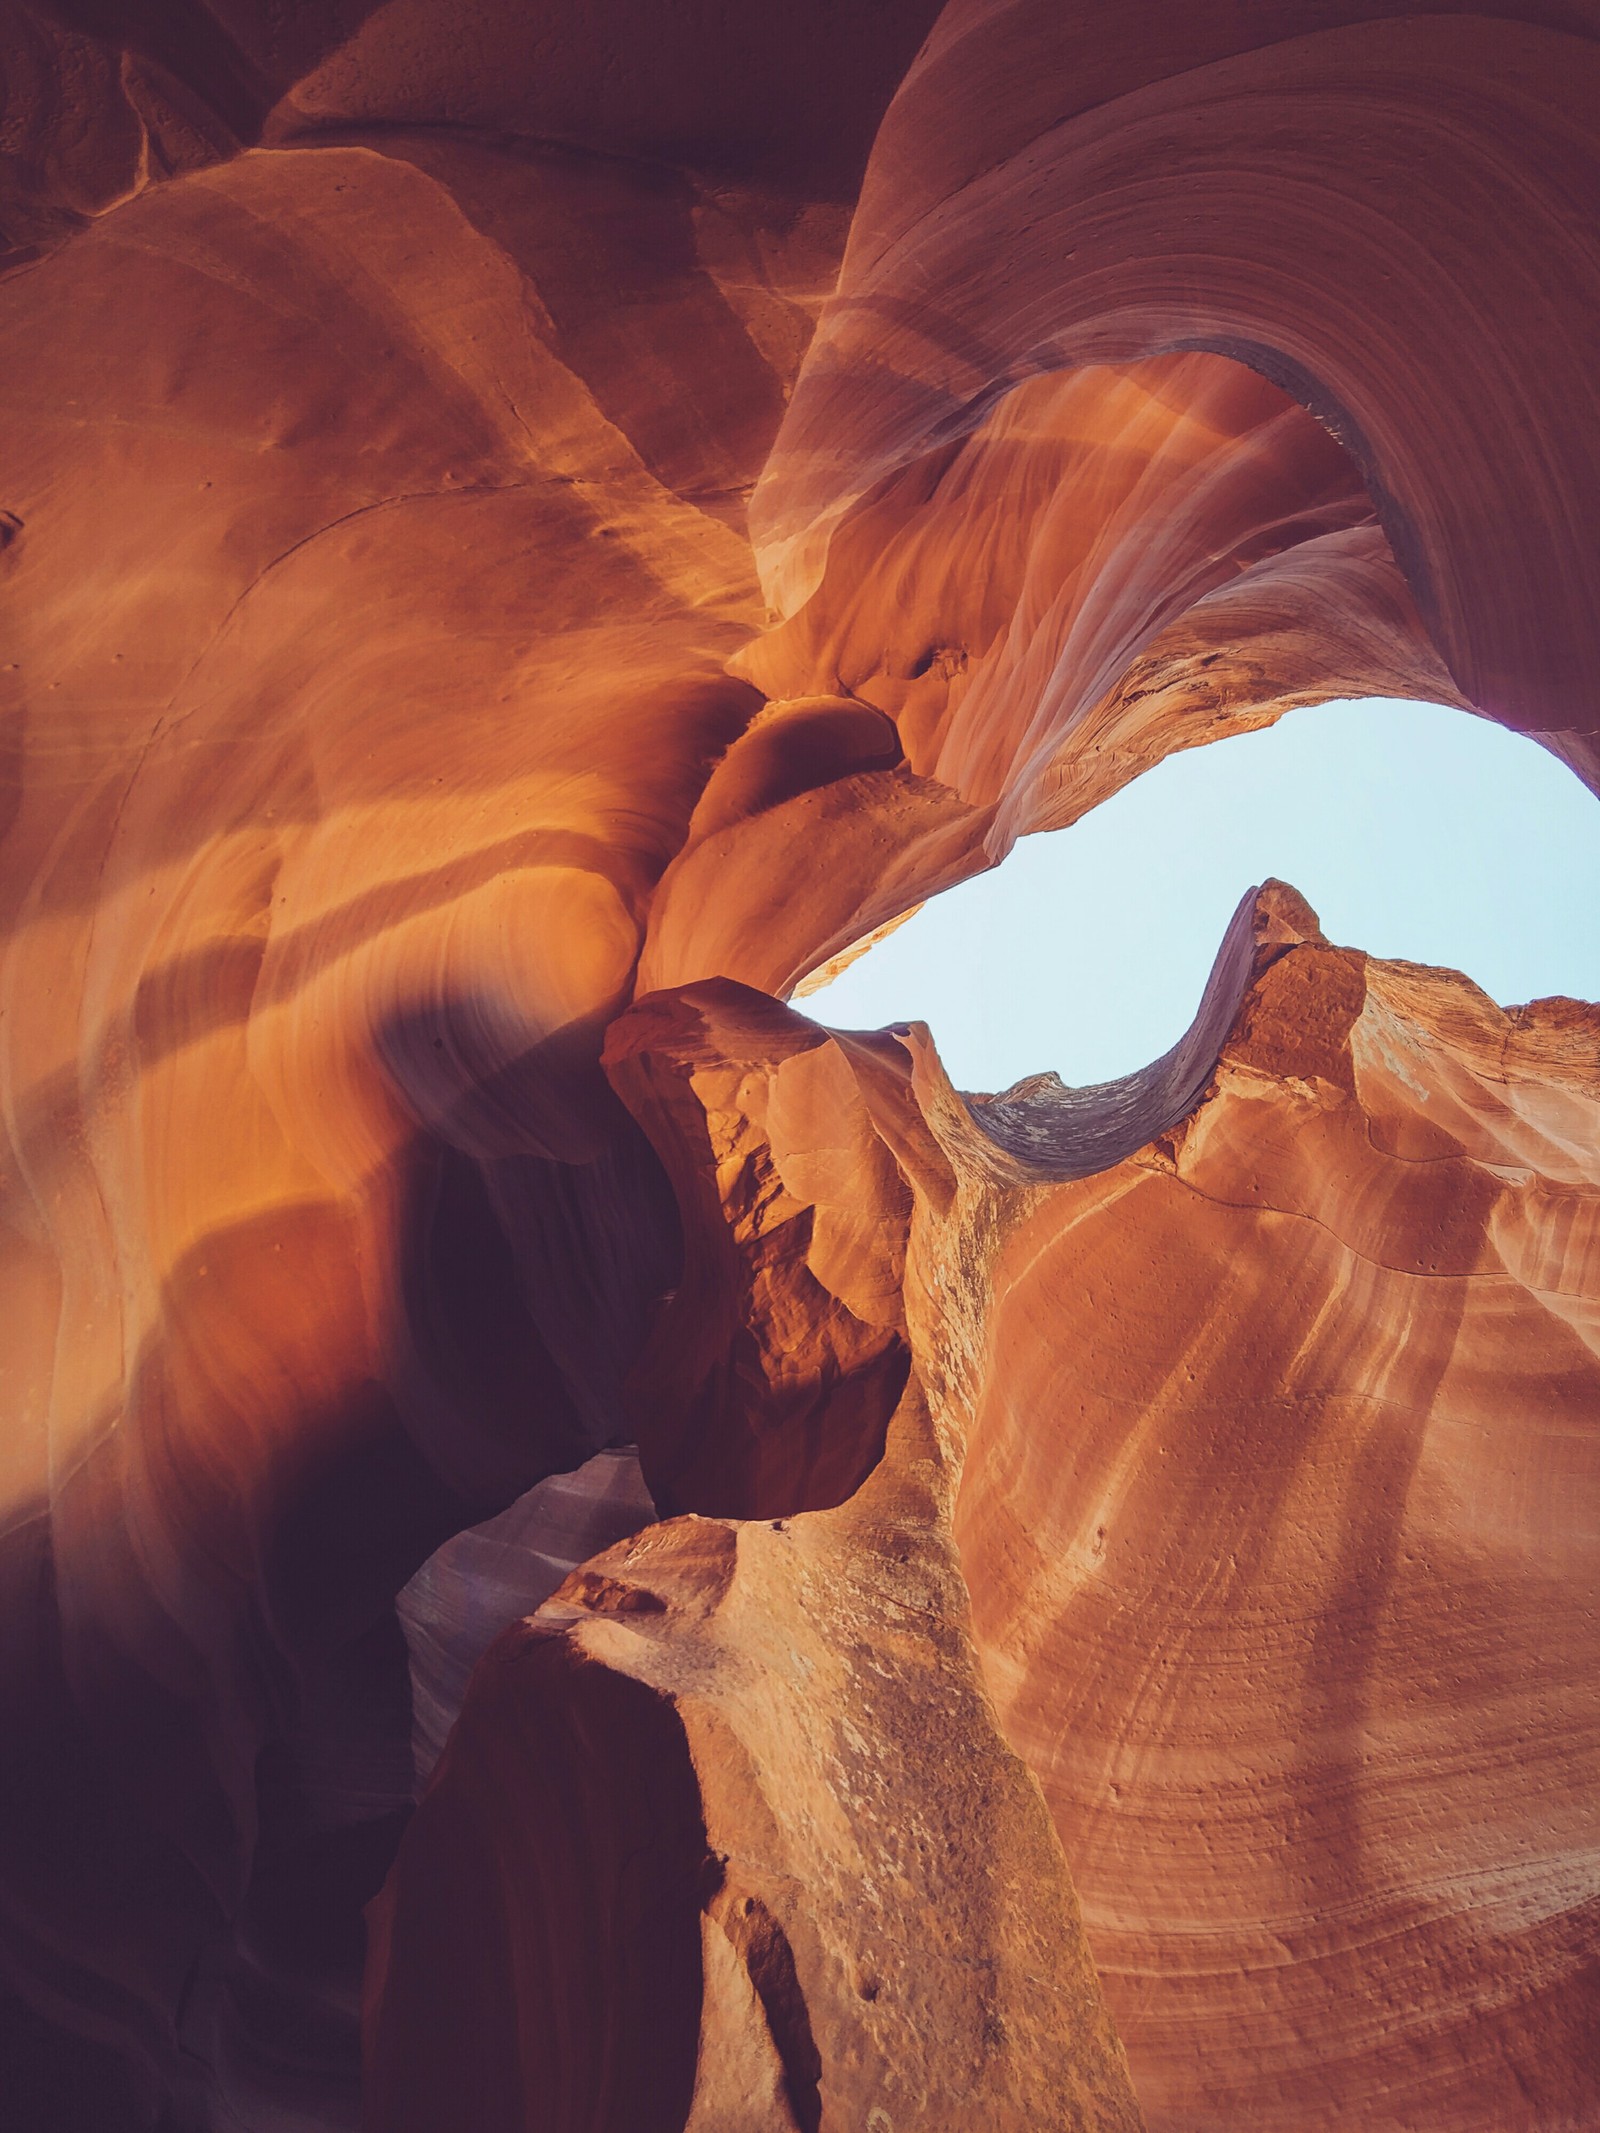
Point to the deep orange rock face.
(1278, 1428)
(520, 541)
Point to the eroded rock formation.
(410, 415)
(1260, 1408)
(1277, 1433)
(837, 1899)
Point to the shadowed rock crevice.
(558, 1855)
(763, 1948)
(487, 1577)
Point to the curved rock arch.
(393, 729)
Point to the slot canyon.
(581, 1552)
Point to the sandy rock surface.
(522, 536)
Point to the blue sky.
(1413, 830)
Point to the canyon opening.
(585, 1548)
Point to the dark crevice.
(763, 1948)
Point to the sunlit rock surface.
(459, 623)
(1284, 1432)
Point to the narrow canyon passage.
(524, 537)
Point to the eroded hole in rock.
(1414, 830)
(492, 1574)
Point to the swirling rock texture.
(525, 533)
(1278, 1433)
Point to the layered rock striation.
(1255, 1416)
(1279, 1428)
(1387, 210)
(474, 643)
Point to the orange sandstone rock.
(1278, 1433)
(1317, 191)
(392, 720)
(324, 1235)
(1266, 1385)
(727, 1837)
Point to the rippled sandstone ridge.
(521, 539)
